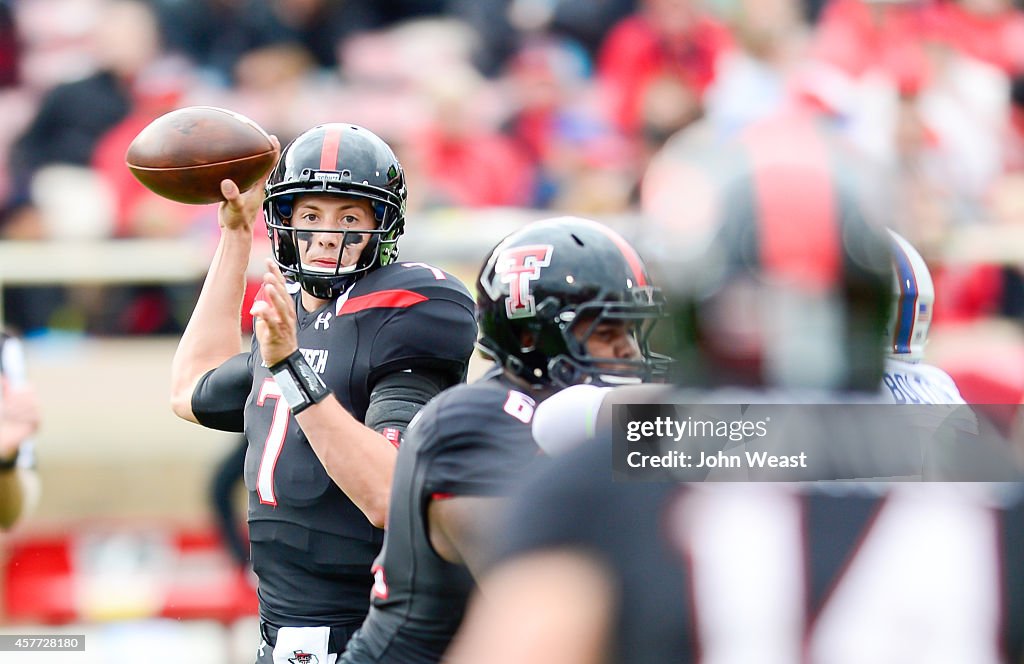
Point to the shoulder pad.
(436, 332)
(417, 277)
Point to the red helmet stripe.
(798, 232)
(329, 152)
(632, 258)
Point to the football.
(185, 154)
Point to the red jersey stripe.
(386, 299)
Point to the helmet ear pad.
(285, 245)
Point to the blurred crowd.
(545, 104)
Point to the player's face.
(326, 251)
(609, 339)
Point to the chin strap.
(325, 289)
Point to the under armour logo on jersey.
(324, 318)
(517, 267)
(303, 658)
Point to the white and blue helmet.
(912, 305)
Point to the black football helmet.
(345, 160)
(547, 279)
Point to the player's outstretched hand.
(274, 317)
(240, 208)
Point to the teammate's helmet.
(774, 267)
(910, 316)
(549, 278)
(344, 160)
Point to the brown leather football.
(185, 154)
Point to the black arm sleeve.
(398, 396)
(218, 401)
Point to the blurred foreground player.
(568, 418)
(342, 359)
(592, 570)
(559, 302)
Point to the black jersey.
(471, 440)
(831, 573)
(312, 548)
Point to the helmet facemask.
(576, 326)
(549, 294)
(559, 355)
(381, 248)
(336, 159)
